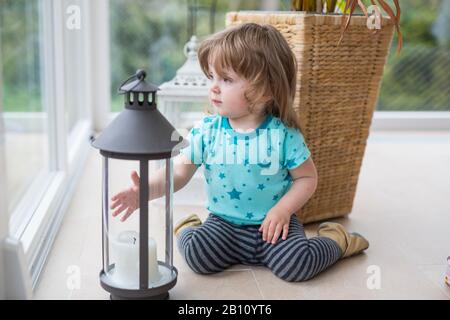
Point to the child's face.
(227, 94)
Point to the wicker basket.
(337, 91)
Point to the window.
(74, 57)
(415, 81)
(25, 115)
(151, 35)
(418, 79)
(45, 111)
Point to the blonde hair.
(261, 55)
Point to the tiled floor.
(402, 206)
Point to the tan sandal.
(190, 221)
(350, 243)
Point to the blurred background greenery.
(20, 57)
(151, 35)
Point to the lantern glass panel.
(183, 112)
(122, 238)
(195, 106)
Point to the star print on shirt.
(221, 177)
(195, 131)
(234, 194)
(290, 163)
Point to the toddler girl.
(257, 166)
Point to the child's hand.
(272, 226)
(127, 199)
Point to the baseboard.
(17, 278)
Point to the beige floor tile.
(89, 289)
(351, 279)
(236, 283)
(435, 273)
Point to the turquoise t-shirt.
(246, 174)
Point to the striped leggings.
(218, 244)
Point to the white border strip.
(381, 121)
(411, 121)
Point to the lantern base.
(158, 291)
(163, 296)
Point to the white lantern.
(186, 95)
(184, 101)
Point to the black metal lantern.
(140, 133)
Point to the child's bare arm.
(303, 187)
(128, 199)
(183, 170)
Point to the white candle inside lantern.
(153, 274)
(125, 248)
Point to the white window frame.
(3, 201)
(34, 223)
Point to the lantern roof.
(189, 79)
(140, 131)
(138, 85)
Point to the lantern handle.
(140, 74)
